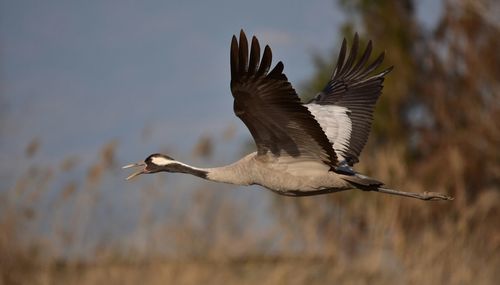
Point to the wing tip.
(242, 35)
(240, 63)
(387, 70)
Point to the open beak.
(139, 164)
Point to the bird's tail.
(366, 183)
(363, 182)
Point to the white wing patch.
(335, 122)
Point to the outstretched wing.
(344, 108)
(270, 108)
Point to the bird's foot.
(434, 196)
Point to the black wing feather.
(254, 56)
(270, 108)
(354, 87)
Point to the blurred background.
(86, 87)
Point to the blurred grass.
(348, 238)
(211, 235)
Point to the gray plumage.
(302, 149)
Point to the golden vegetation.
(213, 235)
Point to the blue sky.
(76, 74)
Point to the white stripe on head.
(160, 160)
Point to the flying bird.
(303, 149)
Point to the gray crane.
(303, 149)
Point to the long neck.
(184, 168)
(236, 173)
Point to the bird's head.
(154, 163)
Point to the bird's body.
(283, 175)
(303, 149)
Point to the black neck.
(175, 167)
